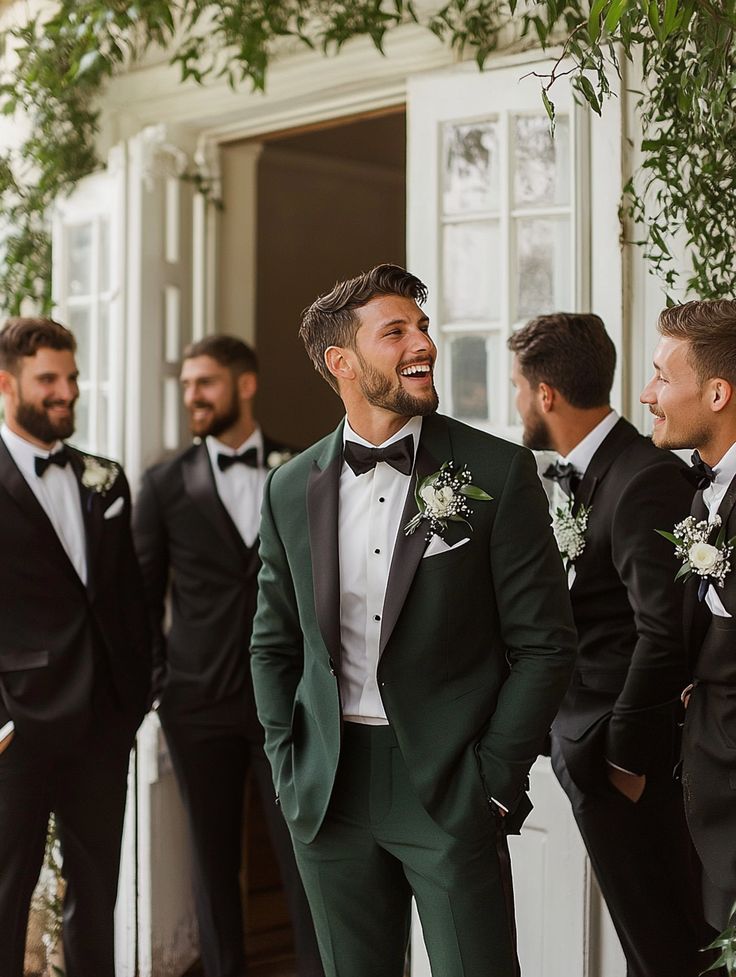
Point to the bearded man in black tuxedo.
(74, 652)
(614, 740)
(196, 526)
(692, 396)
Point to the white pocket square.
(437, 545)
(115, 509)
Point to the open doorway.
(330, 203)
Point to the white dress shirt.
(240, 487)
(581, 456)
(57, 491)
(713, 496)
(370, 508)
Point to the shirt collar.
(413, 426)
(726, 468)
(582, 454)
(216, 447)
(24, 453)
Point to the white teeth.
(411, 370)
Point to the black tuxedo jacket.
(185, 537)
(631, 667)
(64, 645)
(709, 753)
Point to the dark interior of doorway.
(331, 203)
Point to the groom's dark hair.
(571, 352)
(709, 327)
(23, 336)
(331, 319)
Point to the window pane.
(469, 372)
(543, 266)
(470, 277)
(470, 167)
(79, 270)
(104, 255)
(102, 415)
(81, 416)
(79, 323)
(103, 339)
(542, 170)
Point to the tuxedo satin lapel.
(322, 514)
(199, 483)
(91, 517)
(20, 492)
(408, 550)
(727, 503)
(695, 614)
(621, 434)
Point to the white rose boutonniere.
(443, 497)
(708, 560)
(99, 476)
(569, 531)
(277, 458)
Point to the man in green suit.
(412, 643)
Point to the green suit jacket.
(477, 643)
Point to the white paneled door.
(502, 227)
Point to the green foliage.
(686, 185)
(725, 943)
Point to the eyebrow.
(401, 320)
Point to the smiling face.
(677, 400)
(40, 396)
(211, 396)
(393, 360)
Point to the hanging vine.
(685, 189)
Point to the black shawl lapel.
(18, 489)
(92, 515)
(620, 435)
(727, 503)
(199, 482)
(434, 443)
(695, 614)
(322, 515)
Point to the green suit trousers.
(376, 848)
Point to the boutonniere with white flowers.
(444, 497)
(99, 476)
(708, 560)
(277, 458)
(569, 530)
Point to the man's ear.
(338, 363)
(247, 386)
(547, 396)
(7, 382)
(720, 394)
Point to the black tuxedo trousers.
(85, 787)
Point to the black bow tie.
(700, 472)
(566, 476)
(60, 458)
(249, 458)
(400, 455)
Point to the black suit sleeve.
(656, 498)
(151, 544)
(133, 599)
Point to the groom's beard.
(38, 423)
(218, 421)
(380, 392)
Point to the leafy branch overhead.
(58, 65)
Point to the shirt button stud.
(376, 617)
